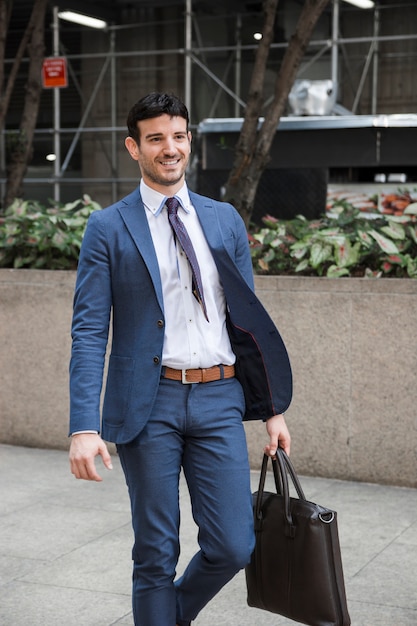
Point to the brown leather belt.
(201, 375)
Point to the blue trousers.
(198, 428)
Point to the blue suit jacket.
(118, 278)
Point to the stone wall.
(353, 351)
(352, 344)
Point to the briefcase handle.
(281, 466)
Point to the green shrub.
(37, 237)
(344, 244)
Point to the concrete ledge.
(352, 346)
(35, 323)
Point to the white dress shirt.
(190, 341)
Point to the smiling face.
(162, 153)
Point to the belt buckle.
(184, 378)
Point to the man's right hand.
(83, 450)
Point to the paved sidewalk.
(65, 548)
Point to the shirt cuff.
(81, 432)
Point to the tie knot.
(172, 205)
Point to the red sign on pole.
(54, 72)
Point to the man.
(193, 352)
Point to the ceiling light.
(362, 4)
(257, 36)
(80, 18)
(50, 157)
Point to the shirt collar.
(154, 201)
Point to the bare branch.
(295, 51)
(256, 87)
(22, 153)
(253, 146)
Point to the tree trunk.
(5, 11)
(5, 94)
(253, 147)
(241, 174)
(21, 152)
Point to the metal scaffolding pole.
(57, 113)
(238, 63)
(363, 77)
(86, 114)
(217, 80)
(374, 101)
(195, 52)
(187, 60)
(335, 48)
(275, 46)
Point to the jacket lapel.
(208, 219)
(258, 346)
(132, 212)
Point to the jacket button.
(160, 323)
(156, 360)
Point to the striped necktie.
(185, 242)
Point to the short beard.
(163, 181)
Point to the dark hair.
(154, 105)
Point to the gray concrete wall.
(352, 344)
(35, 321)
(353, 348)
